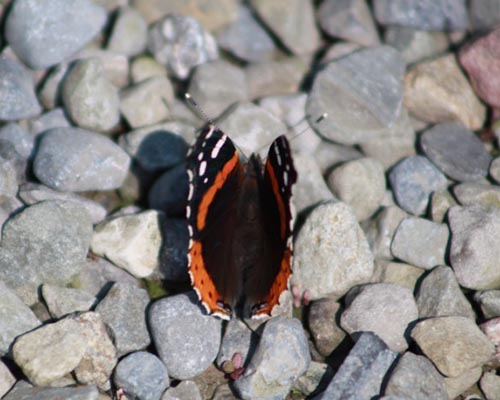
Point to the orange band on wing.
(211, 192)
(279, 200)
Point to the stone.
(495, 169)
(314, 379)
(50, 352)
(477, 193)
(217, 85)
(329, 227)
(180, 43)
(362, 93)
(297, 31)
(23, 391)
(474, 247)
(415, 377)
(456, 386)
(401, 274)
(17, 92)
(439, 295)
(185, 390)
(442, 15)
(169, 192)
(384, 309)
(131, 242)
(484, 14)
(8, 179)
(246, 39)
(413, 180)
(490, 385)
(454, 344)
(187, 340)
(18, 137)
(147, 102)
(129, 34)
(7, 380)
(115, 65)
(55, 118)
(361, 374)
(437, 91)
(322, 321)
(420, 242)
(144, 67)
(16, 318)
(173, 260)
(90, 99)
(141, 375)
(361, 184)
(62, 301)
(281, 356)
(441, 202)
(350, 20)
(238, 338)
(44, 33)
(77, 160)
(123, 310)
(456, 151)
(489, 301)
(46, 242)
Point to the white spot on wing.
(285, 178)
(188, 212)
(205, 180)
(203, 168)
(278, 156)
(218, 146)
(191, 191)
(210, 132)
(200, 156)
(190, 229)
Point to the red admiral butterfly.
(240, 225)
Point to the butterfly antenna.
(194, 105)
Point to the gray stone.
(50, 91)
(33, 193)
(474, 249)
(361, 184)
(246, 38)
(129, 34)
(17, 91)
(217, 85)
(187, 340)
(73, 159)
(8, 179)
(381, 229)
(413, 180)
(282, 355)
(115, 66)
(131, 242)
(329, 227)
(90, 99)
(416, 378)
(477, 193)
(329, 154)
(350, 20)
(489, 301)
(62, 301)
(173, 260)
(363, 94)
(456, 386)
(339, 50)
(50, 352)
(495, 169)
(484, 14)
(169, 192)
(314, 379)
(7, 380)
(439, 295)
(442, 15)
(384, 309)
(490, 385)
(180, 43)
(18, 137)
(416, 45)
(123, 310)
(24, 391)
(44, 33)
(147, 102)
(46, 242)
(159, 146)
(360, 375)
(16, 318)
(453, 344)
(456, 151)
(441, 202)
(55, 118)
(186, 390)
(401, 274)
(237, 339)
(298, 31)
(420, 242)
(322, 322)
(141, 375)
(144, 67)
(100, 357)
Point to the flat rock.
(456, 151)
(75, 160)
(453, 344)
(44, 33)
(187, 340)
(420, 242)
(46, 242)
(282, 355)
(329, 227)
(141, 375)
(363, 94)
(131, 242)
(438, 91)
(361, 374)
(474, 249)
(384, 309)
(61, 301)
(413, 180)
(129, 34)
(23, 391)
(123, 310)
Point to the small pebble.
(169, 192)
(495, 169)
(56, 118)
(489, 301)
(185, 390)
(490, 385)
(116, 66)
(238, 338)
(477, 193)
(441, 202)
(144, 67)
(420, 242)
(314, 379)
(401, 274)
(173, 260)
(62, 301)
(123, 311)
(129, 33)
(384, 309)
(456, 386)
(325, 332)
(18, 137)
(7, 380)
(141, 375)
(484, 14)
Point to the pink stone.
(481, 61)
